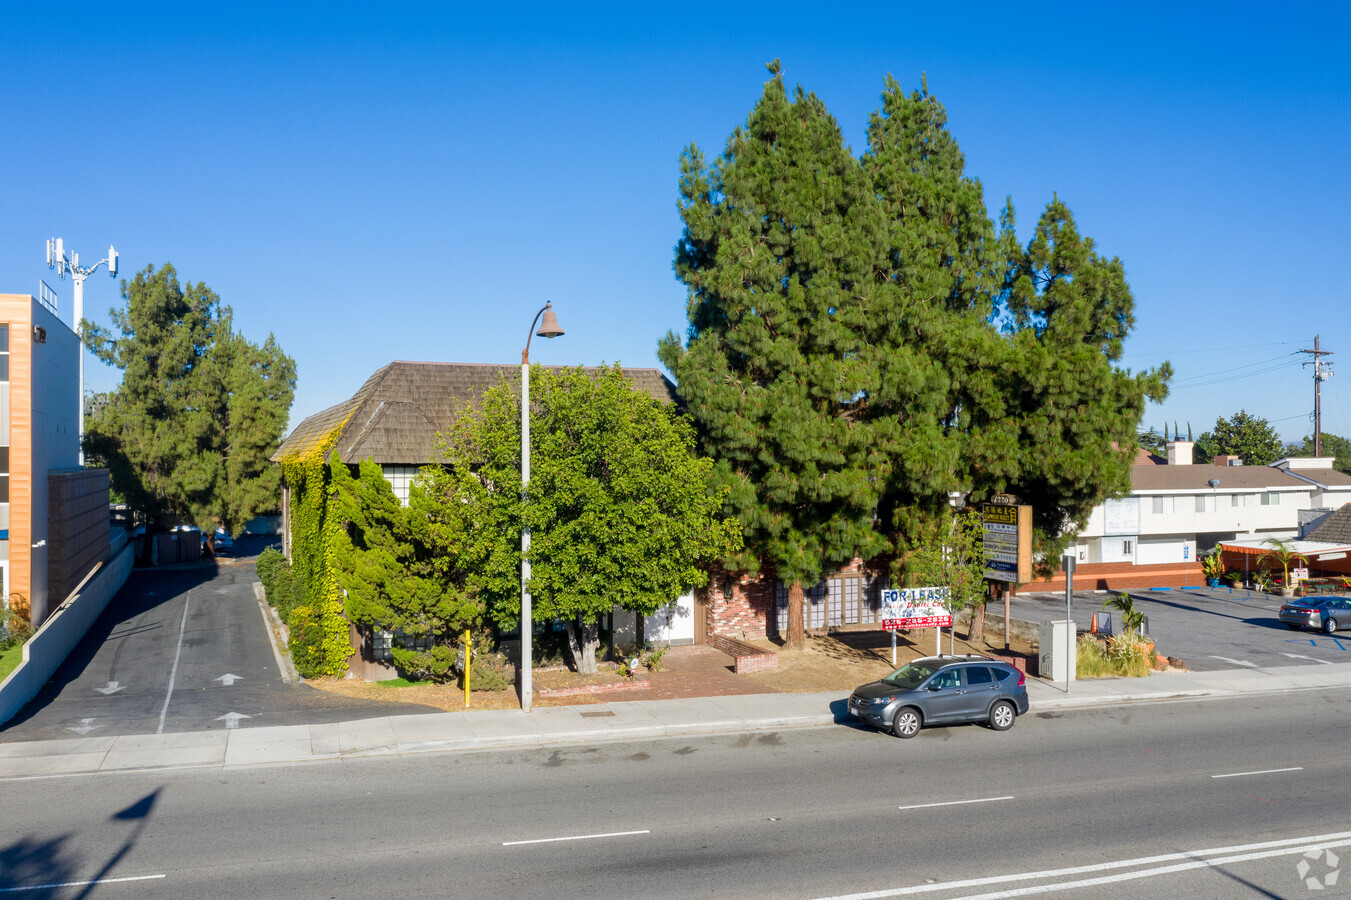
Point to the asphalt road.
(1208, 629)
(1217, 799)
(180, 650)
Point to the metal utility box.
(1056, 650)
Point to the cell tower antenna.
(62, 262)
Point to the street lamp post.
(548, 329)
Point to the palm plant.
(1283, 552)
(1131, 618)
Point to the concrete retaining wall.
(994, 625)
(46, 650)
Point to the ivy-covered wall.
(319, 631)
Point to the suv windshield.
(910, 675)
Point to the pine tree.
(778, 255)
(1067, 428)
(188, 433)
(928, 313)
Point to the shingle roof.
(1335, 528)
(1149, 477)
(395, 416)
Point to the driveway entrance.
(181, 650)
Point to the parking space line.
(954, 803)
(173, 672)
(1260, 772)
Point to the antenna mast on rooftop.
(1321, 372)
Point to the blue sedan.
(1324, 613)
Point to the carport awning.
(1316, 551)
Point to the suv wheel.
(1002, 715)
(906, 724)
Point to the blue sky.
(409, 181)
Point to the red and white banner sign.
(916, 608)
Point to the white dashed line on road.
(1261, 772)
(954, 803)
(576, 837)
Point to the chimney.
(1179, 453)
(1227, 461)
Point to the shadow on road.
(46, 867)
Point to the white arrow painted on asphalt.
(232, 719)
(85, 726)
(112, 688)
(1237, 662)
(229, 680)
(1298, 656)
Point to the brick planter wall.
(746, 658)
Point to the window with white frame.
(1271, 498)
(1163, 506)
(1235, 500)
(399, 477)
(1201, 502)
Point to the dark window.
(949, 679)
(4, 460)
(978, 675)
(4, 488)
(1002, 673)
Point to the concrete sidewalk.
(616, 721)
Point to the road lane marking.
(111, 688)
(51, 887)
(229, 680)
(173, 673)
(577, 837)
(231, 719)
(954, 803)
(1302, 656)
(1260, 772)
(1270, 848)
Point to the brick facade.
(743, 607)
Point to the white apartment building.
(1178, 510)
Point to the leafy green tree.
(1251, 438)
(1336, 446)
(618, 507)
(405, 569)
(188, 433)
(778, 254)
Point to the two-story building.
(1178, 510)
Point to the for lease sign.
(924, 607)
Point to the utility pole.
(1321, 372)
(58, 259)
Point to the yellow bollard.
(468, 650)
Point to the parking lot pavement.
(180, 650)
(1209, 629)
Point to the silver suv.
(942, 690)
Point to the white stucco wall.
(672, 624)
